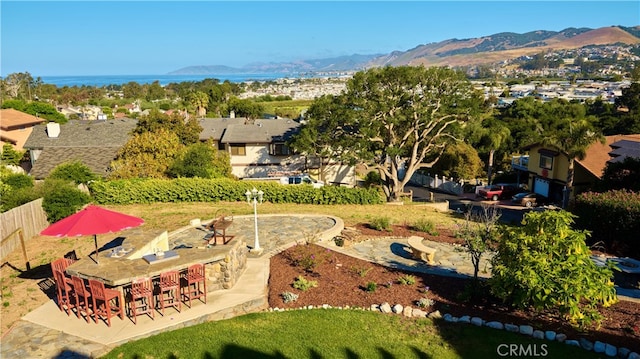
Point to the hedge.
(215, 190)
(613, 217)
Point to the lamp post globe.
(253, 197)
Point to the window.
(546, 162)
(279, 149)
(238, 150)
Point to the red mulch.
(343, 280)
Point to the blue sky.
(52, 38)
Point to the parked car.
(499, 191)
(302, 179)
(529, 199)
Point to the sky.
(52, 38)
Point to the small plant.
(303, 284)
(425, 290)
(361, 271)
(388, 284)
(407, 279)
(381, 223)
(289, 297)
(427, 226)
(339, 241)
(424, 302)
(371, 287)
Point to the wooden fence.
(29, 217)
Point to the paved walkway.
(48, 333)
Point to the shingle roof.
(97, 159)
(598, 154)
(241, 130)
(11, 119)
(110, 133)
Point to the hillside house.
(257, 148)
(548, 167)
(94, 143)
(16, 126)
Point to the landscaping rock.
(477, 321)
(435, 315)
(465, 319)
(586, 344)
(538, 334)
(526, 329)
(550, 335)
(397, 308)
(572, 342)
(633, 355)
(374, 307)
(385, 307)
(623, 352)
(407, 312)
(512, 328)
(561, 337)
(418, 313)
(610, 350)
(598, 347)
(495, 325)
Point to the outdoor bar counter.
(135, 257)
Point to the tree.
(132, 90)
(200, 101)
(10, 156)
(73, 171)
(188, 131)
(546, 264)
(396, 117)
(479, 232)
(245, 108)
(19, 85)
(202, 160)
(147, 155)
(459, 160)
(622, 175)
(155, 91)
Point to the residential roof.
(11, 119)
(109, 133)
(98, 159)
(242, 130)
(598, 154)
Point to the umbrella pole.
(95, 241)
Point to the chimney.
(53, 129)
(232, 114)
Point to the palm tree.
(574, 142)
(200, 101)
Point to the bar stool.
(106, 301)
(80, 290)
(195, 283)
(63, 291)
(61, 265)
(169, 286)
(142, 291)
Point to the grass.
(333, 333)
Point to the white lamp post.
(255, 196)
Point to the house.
(548, 167)
(16, 126)
(257, 148)
(94, 143)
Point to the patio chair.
(141, 301)
(195, 284)
(169, 287)
(80, 291)
(63, 292)
(106, 301)
(61, 265)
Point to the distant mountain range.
(453, 52)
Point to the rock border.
(408, 311)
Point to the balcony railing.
(520, 162)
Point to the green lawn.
(336, 333)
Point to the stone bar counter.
(136, 257)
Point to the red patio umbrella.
(92, 220)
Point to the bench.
(420, 251)
(218, 227)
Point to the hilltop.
(453, 52)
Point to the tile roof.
(110, 133)
(97, 159)
(11, 119)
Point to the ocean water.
(100, 81)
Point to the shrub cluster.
(303, 284)
(214, 190)
(612, 217)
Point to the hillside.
(452, 52)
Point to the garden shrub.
(427, 226)
(62, 199)
(381, 223)
(613, 218)
(425, 302)
(371, 287)
(138, 190)
(289, 297)
(18, 180)
(545, 264)
(303, 284)
(74, 171)
(407, 279)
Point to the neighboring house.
(94, 143)
(548, 167)
(257, 148)
(16, 126)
